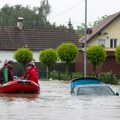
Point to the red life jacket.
(31, 74)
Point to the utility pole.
(85, 38)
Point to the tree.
(117, 54)
(36, 17)
(96, 22)
(23, 55)
(67, 53)
(96, 55)
(48, 57)
(81, 29)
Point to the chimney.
(20, 23)
(70, 24)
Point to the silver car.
(93, 89)
(90, 86)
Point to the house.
(13, 38)
(107, 34)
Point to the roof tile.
(12, 38)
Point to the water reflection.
(55, 103)
(13, 97)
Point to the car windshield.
(94, 90)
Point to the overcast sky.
(62, 10)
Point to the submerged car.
(90, 86)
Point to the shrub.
(108, 78)
(54, 75)
(62, 76)
(23, 55)
(77, 75)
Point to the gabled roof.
(100, 27)
(11, 38)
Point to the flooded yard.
(55, 103)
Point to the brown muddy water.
(55, 103)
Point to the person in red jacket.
(33, 65)
(30, 73)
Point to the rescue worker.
(8, 72)
(30, 73)
(33, 65)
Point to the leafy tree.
(48, 57)
(23, 55)
(96, 22)
(81, 29)
(117, 54)
(37, 17)
(96, 55)
(67, 53)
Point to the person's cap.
(10, 62)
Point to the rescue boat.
(20, 86)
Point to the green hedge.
(107, 78)
(62, 76)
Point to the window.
(113, 43)
(101, 42)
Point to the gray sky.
(62, 10)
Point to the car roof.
(92, 85)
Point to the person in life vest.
(33, 65)
(8, 72)
(5, 63)
(30, 73)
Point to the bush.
(108, 78)
(54, 75)
(58, 75)
(62, 76)
(23, 55)
(77, 75)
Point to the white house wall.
(10, 54)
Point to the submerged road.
(55, 103)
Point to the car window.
(94, 90)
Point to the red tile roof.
(11, 38)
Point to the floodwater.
(56, 103)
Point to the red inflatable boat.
(20, 86)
